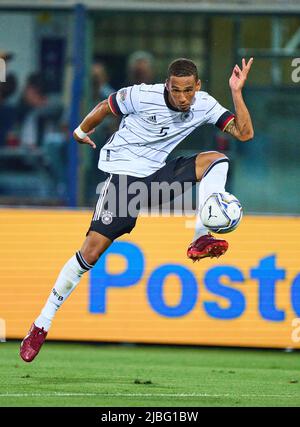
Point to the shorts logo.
(123, 94)
(106, 217)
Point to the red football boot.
(32, 343)
(206, 246)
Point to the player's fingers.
(238, 69)
(88, 141)
(243, 63)
(247, 67)
(250, 62)
(91, 131)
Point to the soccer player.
(155, 119)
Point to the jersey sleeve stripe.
(224, 120)
(113, 104)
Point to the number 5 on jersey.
(162, 133)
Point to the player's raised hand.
(84, 139)
(239, 76)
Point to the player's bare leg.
(69, 277)
(211, 171)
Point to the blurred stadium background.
(61, 58)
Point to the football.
(221, 212)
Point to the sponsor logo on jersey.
(152, 119)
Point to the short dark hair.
(182, 67)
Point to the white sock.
(68, 279)
(213, 181)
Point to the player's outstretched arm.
(93, 119)
(241, 127)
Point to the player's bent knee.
(204, 160)
(209, 157)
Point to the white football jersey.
(151, 128)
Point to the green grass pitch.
(68, 374)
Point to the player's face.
(182, 91)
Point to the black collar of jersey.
(169, 105)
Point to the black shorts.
(120, 200)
